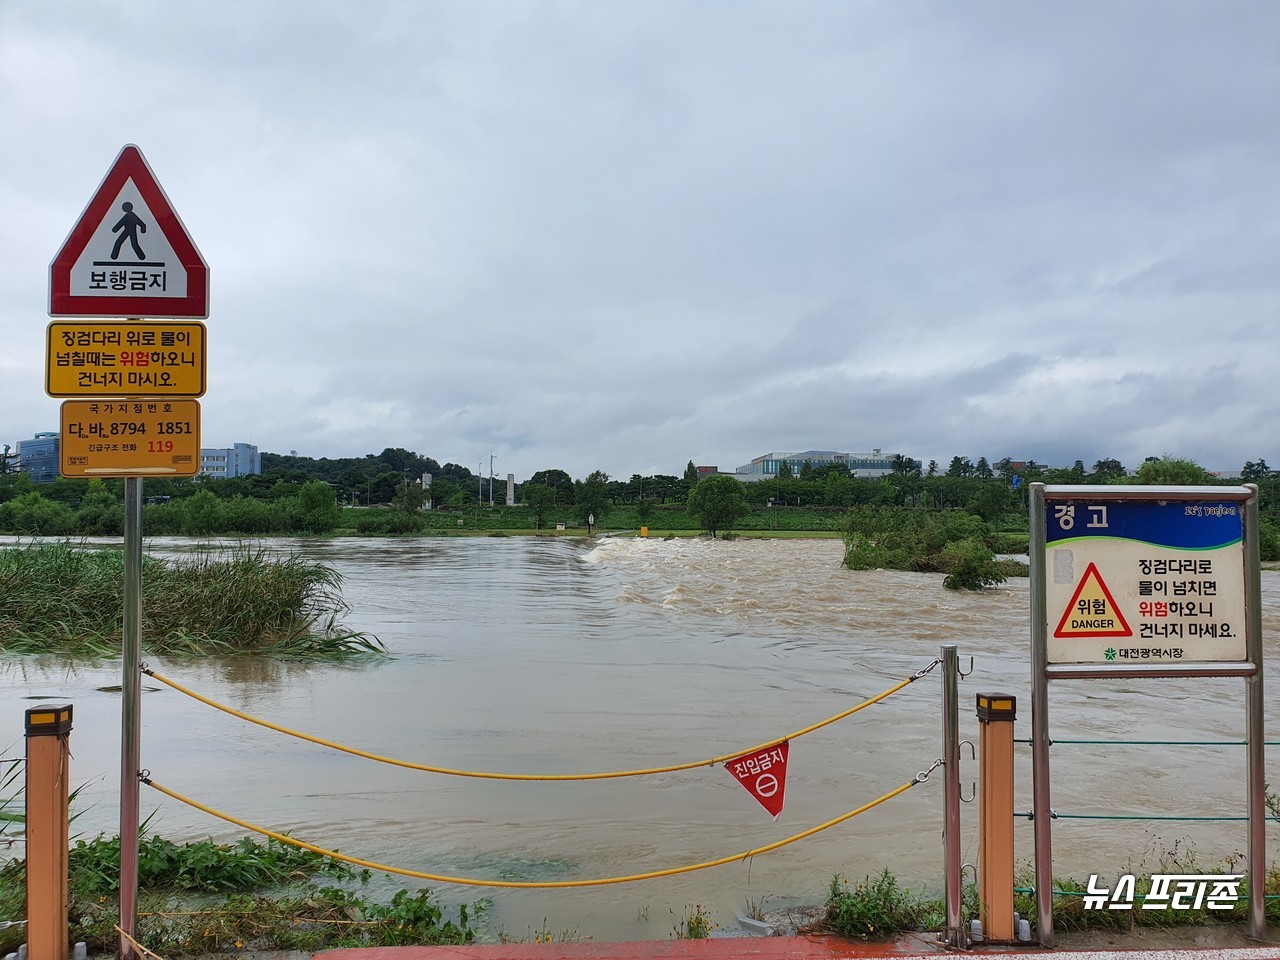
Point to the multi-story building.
(236, 461)
(766, 466)
(38, 457)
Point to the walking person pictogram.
(130, 224)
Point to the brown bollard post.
(48, 751)
(996, 713)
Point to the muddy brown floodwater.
(563, 656)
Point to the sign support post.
(1257, 759)
(954, 934)
(1040, 804)
(130, 712)
(1197, 543)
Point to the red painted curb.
(778, 948)
(716, 948)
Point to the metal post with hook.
(973, 784)
(954, 933)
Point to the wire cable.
(136, 944)
(530, 884)
(1053, 741)
(1030, 815)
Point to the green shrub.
(1010, 542)
(384, 523)
(971, 566)
(314, 510)
(872, 909)
(949, 541)
(1269, 540)
(33, 515)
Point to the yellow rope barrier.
(467, 881)
(120, 930)
(427, 768)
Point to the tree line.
(301, 494)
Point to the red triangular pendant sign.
(764, 774)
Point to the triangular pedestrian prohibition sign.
(129, 255)
(764, 774)
(1092, 612)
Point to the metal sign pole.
(1256, 736)
(1041, 820)
(130, 712)
(954, 935)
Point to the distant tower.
(511, 489)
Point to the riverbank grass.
(60, 597)
(879, 908)
(206, 897)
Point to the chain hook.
(937, 662)
(923, 775)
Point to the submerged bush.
(56, 596)
(951, 541)
(387, 522)
(971, 566)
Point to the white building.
(766, 466)
(237, 461)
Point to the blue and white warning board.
(1144, 581)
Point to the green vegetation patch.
(262, 899)
(879, 908)
(953, 542)
(58, 597)
(876, 908)
(204, 897)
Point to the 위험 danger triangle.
(1092, 612)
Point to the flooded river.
(563, 656)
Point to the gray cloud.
(587, 236)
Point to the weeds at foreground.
(694, 924)
(203, 897)
(312, 919)
(1069, 912)
(59, 597)
(876, 908)
(879, 908)
(543, 935)
(754, 908)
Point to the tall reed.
(61, 597)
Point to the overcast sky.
(622, 236)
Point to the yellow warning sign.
(1092, 612)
